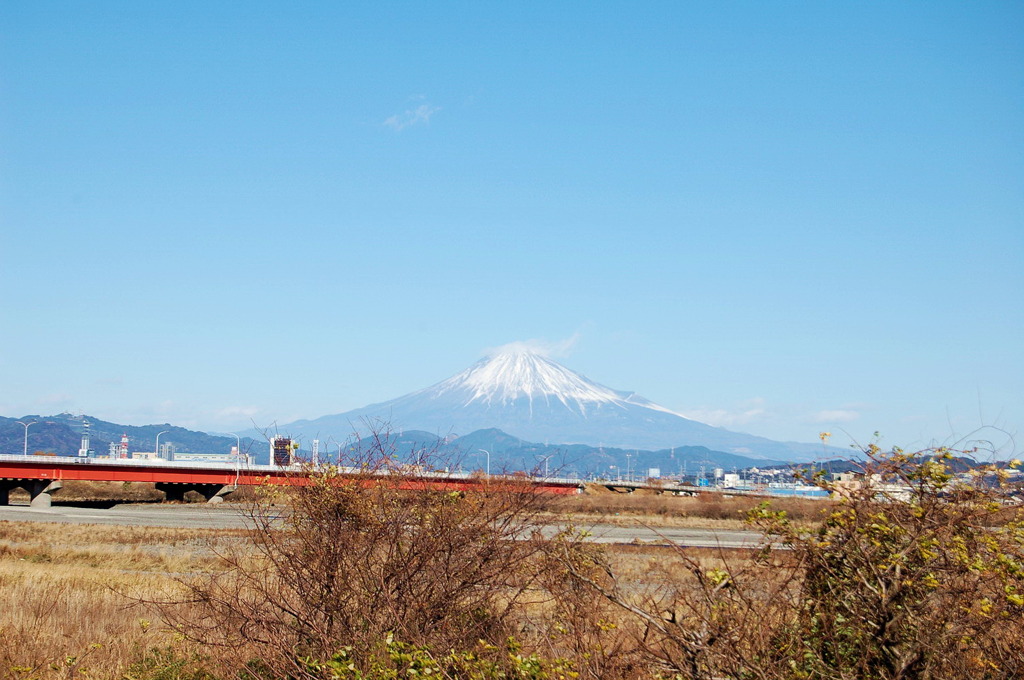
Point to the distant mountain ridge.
(61, 434)
(535, 398)
(503, 452)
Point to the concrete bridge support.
(213, 493)
(39, 490)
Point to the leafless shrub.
(914, 574)
(581, 624)
(374, 551)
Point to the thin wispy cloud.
(235, 412)
(55, 399)
(558, 349)
(835, 416)
(420, 115)
(749, 411)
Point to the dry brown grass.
(72, 622)
(75, 595)
(711, 510)
(639, 564)
(121, 548)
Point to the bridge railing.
(136, 462)
(243, 466)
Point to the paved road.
(694, 538)
(200, 515)
(227, 516)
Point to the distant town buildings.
(145, 455)
(227, 458)
(169, 451)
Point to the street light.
(488, 454)
(156, 451)
(26, 426)
(238, 444)
(546, 459)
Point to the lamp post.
(488, 454)
(26, 426)
(238, 444)
(156, 451)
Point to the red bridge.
(41, 476)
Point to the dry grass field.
(706, 510)
(79, 598)
(74, 594)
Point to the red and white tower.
(122, 450)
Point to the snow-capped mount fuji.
(532, 397)
(509, 379)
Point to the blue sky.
(780, 217)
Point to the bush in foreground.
(369, 564)
(363, 575)
(914, 574)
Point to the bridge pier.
(213, 493)
(39, 490)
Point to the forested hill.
(61, 435)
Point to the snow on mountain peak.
(519, 372)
